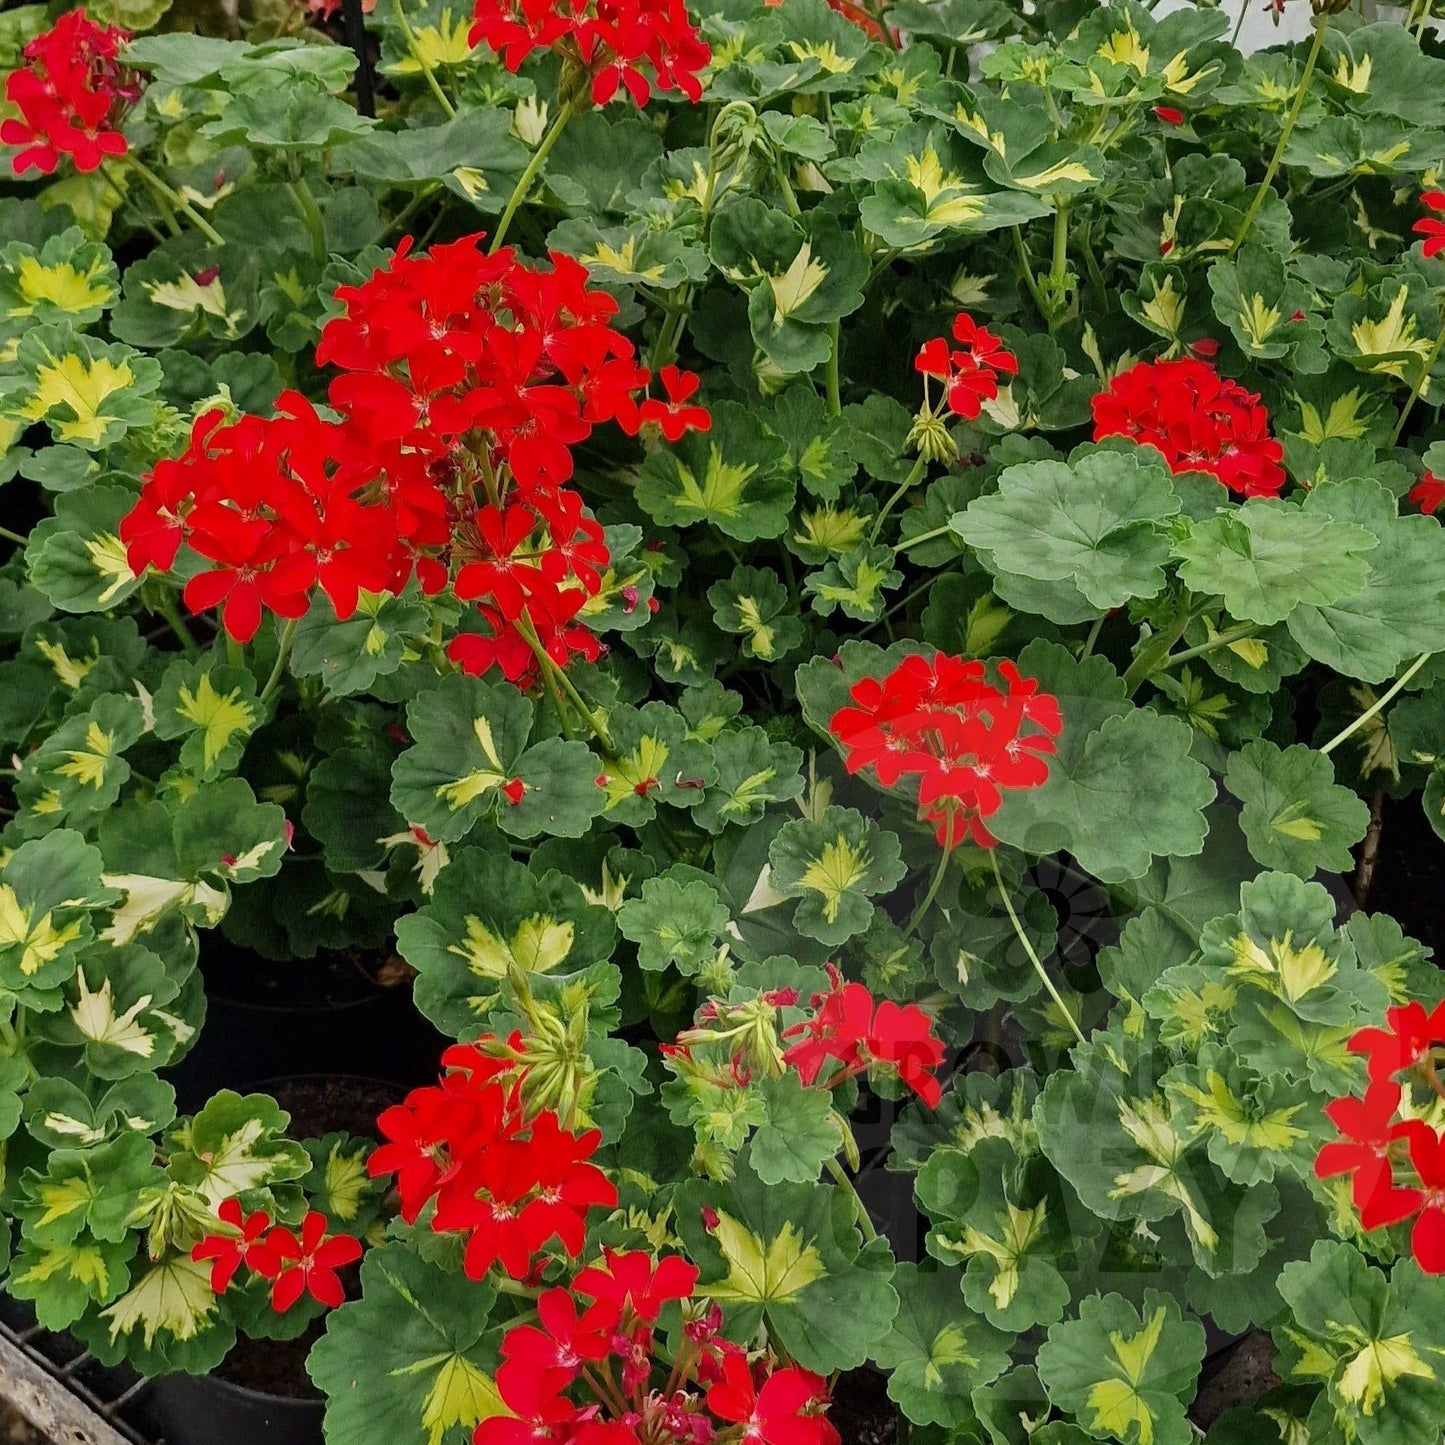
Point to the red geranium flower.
(307, 1264)
(635, 1282)
(70, 94)
(559, 1342)
(969, 371)
(1428, 493)
(1405, 1041)
(1369, 1126)
(852, 1030)
(1197, 420)
(966, 740)
(1431, 227)
(242, 1244)
(787, 1410)
(1427, 1155)
(675, 416)
(635, 47)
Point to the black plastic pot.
(266, 1020)
(206, 1410)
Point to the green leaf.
(754, 604)
(1375, 1343)
(1117, 795)
(412, 1361)
(652, 762)
(1108, 1128)
(76, 557)
(64, 279)
(373, 642)
(676, 923)
(798, 1135)
(1266, 558)
(470, 762)
(64, 1280)
(1296, 817)
(1125, 1374)
(88, 393)
(234, 1145)
(792, 1252)
(288, 118)
(854, 583)
(753, 772)
(47, 888)
(214, 708)
(802, 275)
(1268, 312)
(937, 1354)
(88, 1191)
(488, 915)
(80, 768)
(63, 1116)
(820, 446)
(834, 864)
(1097, 523)
(734, 477)
(1009, 1228)
(1400, 611)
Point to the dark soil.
(862, 1410)
(321, 1104)
(1409, 880)
(326, 981)
(274, 1367)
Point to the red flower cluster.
(511, 1183)
(633, 46)
(849, 1029)
(971, 369)
(1432, 227)
(467, 380)
(1397, 1163)
(608, 1351)
(941, 720)
(276, 506)
(70, 95)
(1199, 420)
(296, 1265)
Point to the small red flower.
(787, 1410)
(675, 417)
(1431, 227)
(1368, 1126)
(1427, 1155)
(307, 1264)
(1428, 493)
(1169, 115)
(241, 1244)
(1405, 1041)
(970, 370)
(71, 94)
(635, 1282)
(849, 1029)
(1197, 420)
(559, 1342)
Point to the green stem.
(235, 653)
(859, 1208)
(399, 221)
(1421, 382)
(930, 536)
(1027, 272)
(415, 51)
(904, 487)
(167, 608)
(177, 200)
(310, 214)
(524, 184)
(1291, 117)
(1222, 639)
(283, 654)
(15, 537)
(1152, 655)
(835, 345)
(926, 902)
(790, 200)
(1093, 636)
(1058, 281)
(1381, 702)
(528, 633)
(559, 705)
(1028, 947)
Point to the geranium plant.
(705, 527)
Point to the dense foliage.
(719, 531)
